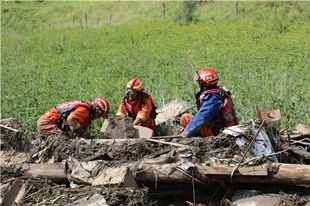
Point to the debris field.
(156, 170)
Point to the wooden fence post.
(275, 10)
(81, 22)
(43, 27)
(110, 19)
(236, 4)
(49, 25)
(73, 20)
(164, 11)
(32, 27)
(86, 19)
(97, 22)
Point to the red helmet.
(206, 76)
(101, 106)
(134, 85)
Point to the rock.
(259, 200)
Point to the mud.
(118, 128)
(18, 141)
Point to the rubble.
(147, 170)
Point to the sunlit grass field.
(264, 62)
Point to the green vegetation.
(262, 61)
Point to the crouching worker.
(73, 116)
(215, 107)
(138, 105)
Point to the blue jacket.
(210, 106)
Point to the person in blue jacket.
(215, 107)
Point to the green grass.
(262, 61)
(64, 14)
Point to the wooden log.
(284, 174)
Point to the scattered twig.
(170, 143)
(9, 128)
(166, 137)
(282, 130)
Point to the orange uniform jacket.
(139, 117)
(77, 120)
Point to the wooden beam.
(52, 171)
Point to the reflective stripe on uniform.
(120, 114)
(142, 117)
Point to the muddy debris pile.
(156, 170)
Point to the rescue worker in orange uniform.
(138, 105)
(73, 116)
(215, 107)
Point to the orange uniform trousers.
(48, 123)
(204, 132)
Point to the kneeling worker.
(215, 107)
(75, 116)
(138, 105)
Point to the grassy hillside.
(262, 61)
(64, 14)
